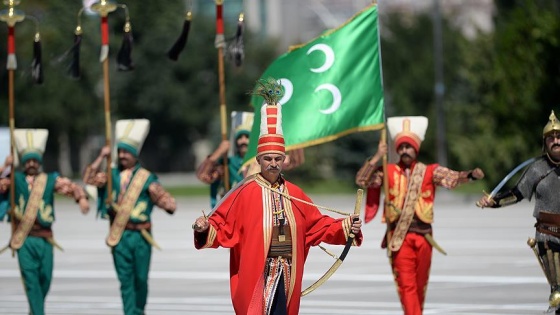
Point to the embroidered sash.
(413, 192)
(124, 208)
(30, 214)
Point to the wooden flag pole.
(386, 201)
(220, 44)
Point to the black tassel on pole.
(179, 45)
(74, 68)
(37, 62)
(124, 56)
(237, 48)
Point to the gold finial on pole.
(11, 16)
(104, 7)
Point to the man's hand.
(84, 205)
(356, 225)
(9, 160)
(105, 151)
(201, 224)
(381, 150)
(220, 151)
(477, 173)
(485, 202)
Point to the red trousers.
(411, 269)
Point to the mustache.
(555, 145)
(405, 155)
(272, 168)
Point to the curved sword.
(507, 178)
(338, 262)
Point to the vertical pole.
(104, 58)
(385, 186)
(439, 87)
(220, 44)
(108, 134)
(12, 152)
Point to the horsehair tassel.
(124, 56)
(12, 62)
(181, 42)
(238, 49)
(74, 68)
(37, 62)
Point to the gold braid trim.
(30, 214)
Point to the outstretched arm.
(450, 179)
(162, 198)
(70, 189)
(501, 199)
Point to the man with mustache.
(211, 170)
(134, 193)
(269, 225)
(408, 209)
(33, 214)
(541, 181)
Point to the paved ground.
(489, 268)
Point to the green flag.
(332, 85)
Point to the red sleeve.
(223, 222)
(321, 228)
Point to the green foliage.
(510, 84)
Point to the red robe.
(243, 223)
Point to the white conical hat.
(131, 133)
(31, 143)
(409, 129)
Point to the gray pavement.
(489, 268)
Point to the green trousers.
(35, 260)
(132, 257)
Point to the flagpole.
(220, 44)
(385, 178)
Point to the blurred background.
(486, 74)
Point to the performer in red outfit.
(409, 210)
(269, 224)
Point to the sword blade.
(509, 176)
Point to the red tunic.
(243, 222)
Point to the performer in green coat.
(33, 214)
(134, 193)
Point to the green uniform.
(235, 176)
(35, 257)
(132, 255)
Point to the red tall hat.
(271, 138)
